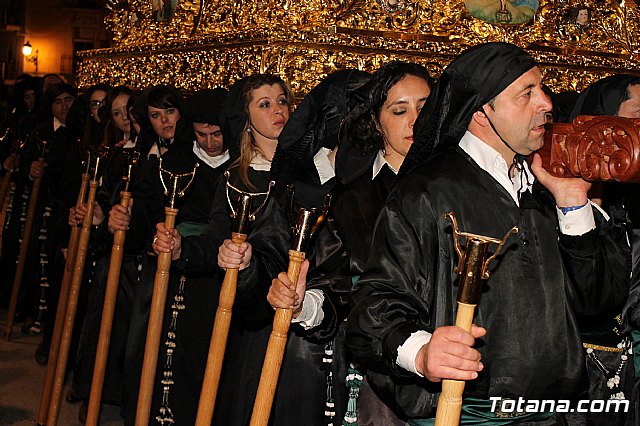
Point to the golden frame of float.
(193, 44)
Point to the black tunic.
(538, 284)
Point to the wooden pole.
(4, 186)
(72, 305)
(3, 213)
(95, 397)
(218, 343)
(275, 351)
(154, 330)
(450, 400)
(65, 286)
(22, 257)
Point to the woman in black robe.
(369, 156)
(252, 118)
(311, 379)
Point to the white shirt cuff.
(324, 167)
(576, 222)
(408, 351)
(311, 314)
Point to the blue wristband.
(566, 210)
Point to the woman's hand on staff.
(120, 218)
(37, 169)
(72, 217)
(285, 295)
(77, 214)
(167, 240)
(234, 257)
(450, 354)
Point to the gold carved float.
(208, 43)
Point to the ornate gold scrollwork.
(209, 44)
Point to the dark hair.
(248, 148)
(112, 134)
(575, 11)
(163, 97)
(52, 93)
(627, 93)
(362, 124)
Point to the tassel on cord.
(330, 405)
(354, 383)
(7, 219)
(36, 327)
(165, 416)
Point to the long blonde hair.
(248, 147)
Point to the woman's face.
(119, 113)
(399, 112)
(164, 121)
(96, 100)
(268, 112)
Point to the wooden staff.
(156, 313)
(47, 387)
(72, 304)
(111, 293)
(473, 270)
(24, 249)
(209, 392)
(307, 222)
(6, 179)
(4, 188)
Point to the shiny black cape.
(538, 284)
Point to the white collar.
(213, 162)
(259, 163)
(379, 163)
(154, 151)
(493, 163)
(130, 143)
(324, 167)
(57, 124)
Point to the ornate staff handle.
(24, 248)
(473, 268)
(306, 223)
(72, 305)
(159, 298)
(111, 293)
(242, 215)
(65, 286)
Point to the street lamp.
(26, 51)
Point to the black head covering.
(604, 96)
(204, 106)
(233, 117)
(315, 123)
(21, 87)
(563, 103)
(77, 117)
(474, 78)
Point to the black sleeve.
(598, 266)
(199, 253)
(392, 298)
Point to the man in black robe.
(485, 114)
